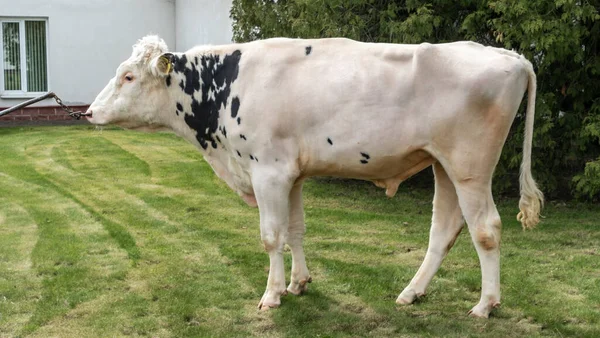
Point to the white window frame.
(17, 94)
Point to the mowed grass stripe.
(74, 257)
(17, 163)
(20, 287)
(40, 157)
(102, 195)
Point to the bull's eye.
(128, 77)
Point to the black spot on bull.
(191, 74)
(212, 77)
(179, 63)
(329, 141)
(235, 106)
(365, 159)
(308, 50)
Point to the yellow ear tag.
(165, 59)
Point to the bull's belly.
(385, 171)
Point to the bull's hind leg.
(272, 190)
(300, 276)
(482, 217)
(470, 163)
(446, 224)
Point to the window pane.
(35, 47)
(12, 56)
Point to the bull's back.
(361, 109)
(311, 81)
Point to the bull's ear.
(163, 64)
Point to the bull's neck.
(200, 90)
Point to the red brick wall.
(47, 113)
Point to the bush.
(560, 37)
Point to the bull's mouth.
(89, 114)
(90, 117)
(91, 120)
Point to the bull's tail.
(532, 199)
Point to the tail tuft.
(532, 199)
(531, 203)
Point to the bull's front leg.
(272, 190)
(300, 276)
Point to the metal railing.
(74, 114)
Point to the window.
(24, 66)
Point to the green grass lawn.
(117, 233)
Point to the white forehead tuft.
(147, 48)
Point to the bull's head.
(137, 96)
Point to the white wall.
(88, 39)
(201, 22)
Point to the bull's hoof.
(271, 300)
(298, 288)
(483, 310)
(408, 296)
(266, 307)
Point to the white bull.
(268, 114)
